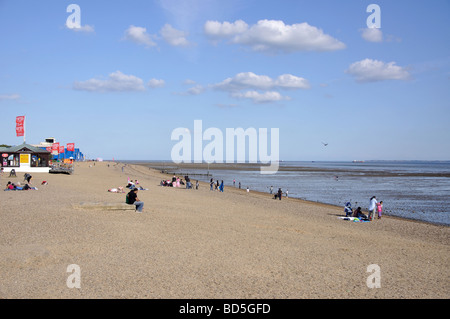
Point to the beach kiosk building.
(25, 158)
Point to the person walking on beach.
(27, 177)
(221, 187)
(239, 185)
(287, 193)
(372, 206)
(134, 200)
(211, 183)
(280, 193)
(196, 184)
(234, 182)
(271, 190)
(380, 209)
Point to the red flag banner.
(19, 130)
(20, 125)
(20, 120)
(55, 147)
(70, 147)
(61, 149)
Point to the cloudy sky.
(121, 76)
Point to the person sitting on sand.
(134, 200)
(359, 214)
(348, 209)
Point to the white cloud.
(9, 97)
(260, 88)
(139, 35)
(372, 34)
(173, 36)
(369, 70)
(155, 83)
(116, 82)
(257, 97)
(215, 29)
(251, 80)
(198, 89)
(274, 36)
(289, 81)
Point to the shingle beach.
(199, 244)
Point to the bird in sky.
(324, 144)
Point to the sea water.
(414, 190)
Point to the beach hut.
(25, 158)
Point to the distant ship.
(355, 161)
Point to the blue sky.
(134, 71)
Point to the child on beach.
(380, 209)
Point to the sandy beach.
(199, 244)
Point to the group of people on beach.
(13, 187)
(178, 182)
(216, 185)
(279, 193)
(374, 206)
(17, 186)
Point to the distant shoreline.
(298, 168)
